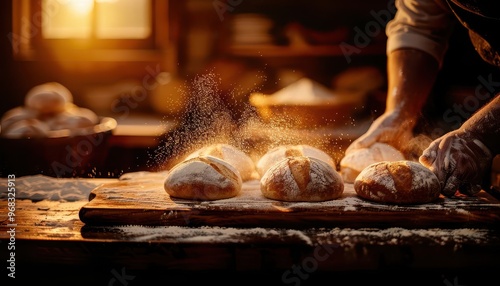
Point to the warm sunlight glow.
(123, 19)
(112, 19)
(79, 6)
(67, 19)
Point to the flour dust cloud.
(214, 116)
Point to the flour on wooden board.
(39, 187)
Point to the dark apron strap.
(482, 20)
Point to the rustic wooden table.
(43, 239)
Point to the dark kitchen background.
(138, 65)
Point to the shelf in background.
(303, 51)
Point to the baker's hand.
(459, 160)
(388, 128)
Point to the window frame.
(28, 44)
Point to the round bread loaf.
(26, 128)
(48, 98)
(278, 153)
(398, 182)
(74, 118)
(16, 114)
(300, 178)
(234, 156)
(354, 162)
(203, 178)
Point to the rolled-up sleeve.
(421, 24)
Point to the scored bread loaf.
(203, 178)
(398, 182)
(73, 118)
(354, 162)
(14, 115)
(26, 128)
(278, 153)
(229, 153)
(300, 178)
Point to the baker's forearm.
(485, 125)
(411, 76)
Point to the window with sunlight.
(96, 19)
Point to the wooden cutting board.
(139, 199)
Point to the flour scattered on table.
(205, 234)
(298, 233)
(396, 235)
(347, 238)
(40, 187)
